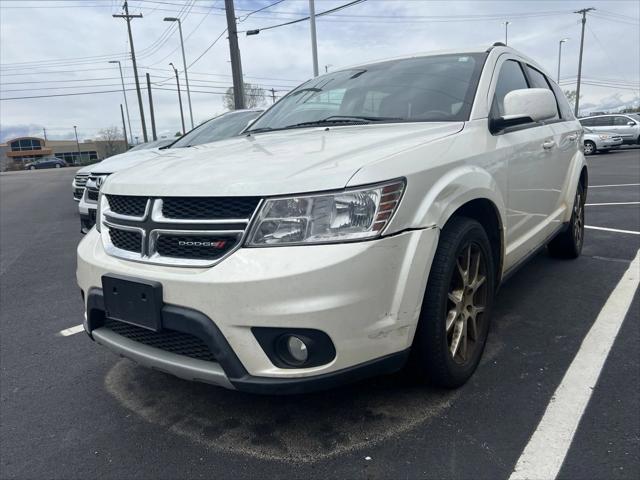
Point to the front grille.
(126, 239)
(127, 205)
(92, 194)
(209, 208)
(168, 340)
(81, 179)
(77, 193)
(203, 247)
(184, 231)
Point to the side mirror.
(526, 105)
(631, 123)
(251, 122)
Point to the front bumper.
(365, 296)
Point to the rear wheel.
(57, 165)
(589, 148)
(454, 321)
(568, 244)
(32, 168)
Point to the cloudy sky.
(62, 48)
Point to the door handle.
(548, 145)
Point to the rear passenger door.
(528, 151)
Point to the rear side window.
(566, 111)
(511, 78)
(603, 121)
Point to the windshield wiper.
(349, 119)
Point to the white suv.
(362, 224)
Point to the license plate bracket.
(132, 300)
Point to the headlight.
(346, 215)
(604, 137)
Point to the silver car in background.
(625, 125)
(600, 141)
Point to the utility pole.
(124, 130)
(153, 118)
(236, 63)
(44, 130)
(128, 18)
(75, 129)
(175, 70)
(584, 21)
(506, 32)
(314, 45)
(124, 93)
(273, 95)
(184, 63)
(560, 56)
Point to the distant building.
(18, 151)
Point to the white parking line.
(548, 446)
(617, 230)
(618, 185)
(611, 203)
(71, 331)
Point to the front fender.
(434, 205)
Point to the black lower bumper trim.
(290, 386)
(195, 323)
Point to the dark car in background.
(46, 162)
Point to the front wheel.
(57, 165)
(32, 168)
(589, 148)
(454, 321)
(568, 244)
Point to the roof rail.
(496, 44)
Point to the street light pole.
(75, 129)
(314, 45)
(124, 93)
(560, 56)
(124, 130)
(175, 70)
(184, 63)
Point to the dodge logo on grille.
(218, 244)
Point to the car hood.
(124, 160)
(274, 163)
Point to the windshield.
(154, 144)
(423, 89)
(225, 126)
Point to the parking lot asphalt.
(70, 409)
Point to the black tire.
(568, 243)
(589, 147)
(32, 168)
(431, 357)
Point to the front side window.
(439, 88)
(511, 78)
(538, 80)
(621, 121)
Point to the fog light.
(297, 349)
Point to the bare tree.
(113, 140)
(254, 96)
(571, 97)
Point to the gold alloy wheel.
(466, 303)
